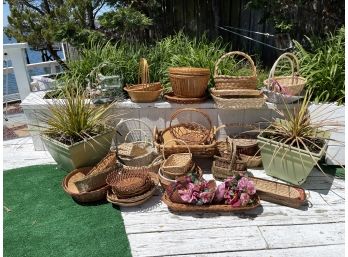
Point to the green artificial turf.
(41, 220)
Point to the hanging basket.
(239, 103)
(188, 81)
(285, 85)
(144, 91)
(177, 164)
(188, 131)
(223, 82)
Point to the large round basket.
(288, 85)
(70, 188)
(235, 82)
(189, 82)
(143, 94)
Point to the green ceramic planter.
(81, 154)
(294, 167)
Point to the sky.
(5, 14)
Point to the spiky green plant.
(74, 118)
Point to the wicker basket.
(166, 181)
(180, 207)
(203, 151)
(70, 188)
(146, 96)
(251, 161)
(189, 82)
(288, 85)
(190, 132)
(279, 193)
(239, 103)
(176, 164)
(235, 92)
(235, 82)
(153, 167)
(279, 98)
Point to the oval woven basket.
(251, 161)
(288, 85)
(70, 188)
(190, 83)
(235, 82)
(145, 96)
(240, 103)
(166, 181)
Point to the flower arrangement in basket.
(144, 92)
(236, 92)
(189, 194)
(284, 89)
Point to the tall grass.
(323, 66)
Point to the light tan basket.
(239, 103)
(235, 82)
(177, 164)
(251, 161)
(235, 92)
(188, 81)
(166, 181)
(288, 85)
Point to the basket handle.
(141, 131)
(128, 120)
(175, 140)
(253, 67)
(233, 152)
(144, 73)
(176, 113)
(295, 67)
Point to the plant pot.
(81, 154)
(287, 163)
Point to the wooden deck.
(271, 230)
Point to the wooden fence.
(196, 17)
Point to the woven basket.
(279, 193)
(166, 181)
(235, 92)
(129, 183)
(145, 96)
(176, 164)
(287, 85)
(189, 82)
(203, 151)
(180, 207)
(235, 82)
(239, 103)
(251, 161)
(153, 167)
(70, 188)
(279, 98)
(190, 132)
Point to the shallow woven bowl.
(70, 188)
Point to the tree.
(42, 22)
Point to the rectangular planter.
(294, 167)
(81, 154)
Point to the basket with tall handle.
(224, 82)
(287, 86)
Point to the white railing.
(49, 64)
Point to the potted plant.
(76, 133)
(292, 146)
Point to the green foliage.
(323, 67)
(74, 117)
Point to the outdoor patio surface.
(271, 230)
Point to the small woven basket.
(288, 85)
(153, 167)
(251, 161)
(177, 164)
(235, 92)
(190, 132)
(189, 82)
(166, 181)
(235, 82)
(239, 103)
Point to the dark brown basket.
(70, 188)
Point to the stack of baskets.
(140, 152)
(188, 84)
(176, 165)
(284, 89)
(236, 92)
(144, 92)
(130, 187)
(226, 162)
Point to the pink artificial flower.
(242, 184)
(236, 204)
(244, 199)
(220, 192)
(205, 197)
(251, 188)
(187, 194)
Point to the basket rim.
(188, 70)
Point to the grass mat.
(40, 219)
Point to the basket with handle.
(189, 82)
(176, 164)
(239, 103)
(144, 91)
(287, 86)
(235, 82)
(190, 132)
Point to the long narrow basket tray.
(179, 207)
(279, 193)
